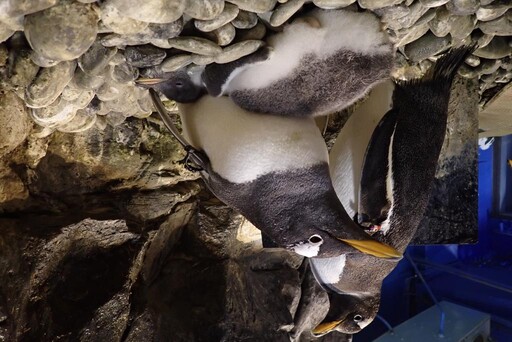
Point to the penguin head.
(183, 86)
(348, 313)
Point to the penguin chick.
(397, 176)
(303, 71)
(274, 170)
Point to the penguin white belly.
(243, 146)
(347, 154)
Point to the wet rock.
(245, 20)
(238, 50)
(406, 36)
(417, 11)
(426, 46)
(62, 32)
(48, 84)
(58, 113)
(473, 61)
(467, 71)
(374, 4)
(144, 56)
(196, 45)
(151, 11)
(228, 14)
(23, 7)
(391, 13)
(490, 13)
(14, 122)
(87, 82)
(433, 3)
(285, 12)
(463, 7)
(256, 33)
(204, 9)
(462, 26)
(124, 73)
(96, 59)
(498, 27)
(80, 123)
(112, 18)
(333, 4)
(497, 48)
(260, 6)
(441, 24)
(223, 35)
(24, 70)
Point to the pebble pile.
(74, 62)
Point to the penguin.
(317, 65)
(274, 170)
(396, 179)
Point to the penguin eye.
(315, 239)
(358, 318)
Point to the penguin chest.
(243, 146)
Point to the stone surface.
(463, 7)
(285, 12)
(24, 70)
(62, 32)
(433, 3)
(196, 45)
(15, 124)
(229, 13)
(151, 11)
(374, 4)
(96, 59)
(224, 35)
(48, 84)
(260, 6)
(391, 13)
(23, 7)
(204, 9)
(81, 122)
(112, 18)
(497, 48)
(59, 112)
(416, 11)
(462, 26)
(256, 33)
(238, 50)
(498, 27)
(490, 13)
(441, 24)
(333, 4)
(426, 46)
(144, 56)
(245, 20)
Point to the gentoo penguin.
(317, 65)
(396, 180)
(274, 170)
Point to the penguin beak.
(150, 81)
(324, 328)
(375, 248)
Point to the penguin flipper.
(373, 198)
(216, 76)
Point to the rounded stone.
(391, 13)
(481, 38)
(223, 35)
(238, 50)
(228, 14)
(426, 46)
(467, 72)
(497, 48)
(285, 12)
(258, 32)
(498, 27)
(96, 59)
(490, 13)
(24, 70)
(111, 90)
(42, 61)
(416, 11)
(115, 118)
(196, 45)
(87, 82)
(260, 6)
(14, 122)
(151, 11)
(112, 18)
(124, 73)
(333, 4)
(59, 112)
(462, 26)
(406, 36)
(441, 24)
(5, 32)
(62, 32)
(463, 7)
(374, 4)
(473, 61)
(23, 7)
(245, 20)
(12, 23)
(83, 99)
(433, 3)
(204, 9)
(144, 56)
(202, 60)
(175, 62)
(81, 122)
(49, 84)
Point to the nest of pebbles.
(74, 62)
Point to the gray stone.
(285, 11)
(498, 27)
(467, 71)
(176, 62)
(5, 32)
(426, 46)
(83, 99)
(245, 20)
(62, 32)
(463, 7)
(164, 31)
(144, 56)
(153, 33)
(481, 38)
(80, 123)
(441, 24)
(238, 50)
(23, 7)
(406, 36)
(374, 4)
(391, 13)
(497, 48)
(228, 14)
(71, 92)
(433, 3)
(473, 61)
(462, 26)
(120, 40)
(111, 90)
(115, 118)
(151, 11)
(87, 82)
(223, 35)
(417, 11)
(59, 112)
(48, 84)
(260, 6)
(196, 45)
(333, 4)
(488, 66)
(490, 13)
(4, 55)
(13, 23)
(124, 73)
(258, 32)
(112, 18)
(204, 9)
(488, 78)
(23, 70)
(42, 61)
(14, 122)
(96, 59)
(202, 60)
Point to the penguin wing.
(373, 197)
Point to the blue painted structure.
(476, 276)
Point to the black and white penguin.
(396, 180)
(317, 65)
(275, 171)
